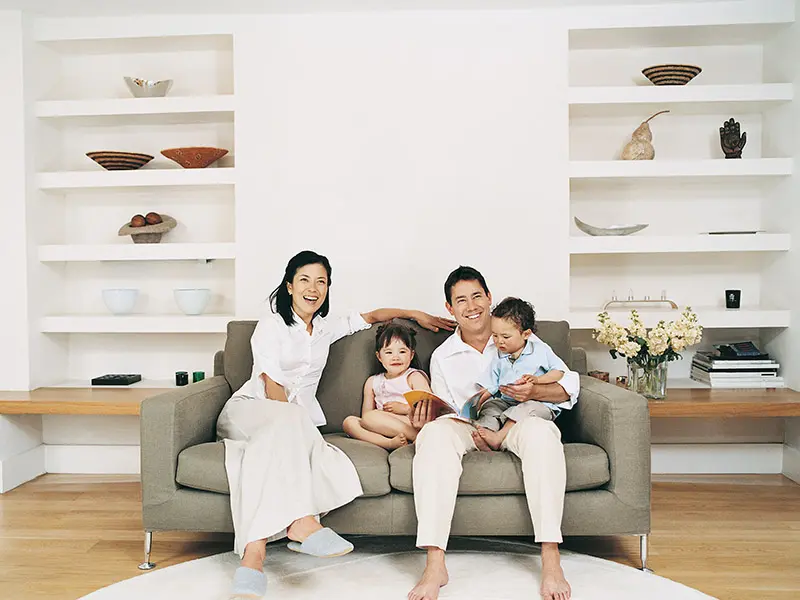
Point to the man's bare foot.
(554, 584)
(493, 439)
(397, 441)
(300, 529)
(480, 443)
(434, 577)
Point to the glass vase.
(649, 381)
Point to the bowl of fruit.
(148, 229)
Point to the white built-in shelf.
(755, 24)
(678, 383)
(647, 244)
(67, 180)
(709, 318)
(135, 324)
(618, 169)
(688, 99)
(133, 252)
(202, 107)
(144, 383)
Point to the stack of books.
(732, 372)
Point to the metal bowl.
(612, 230)
(147, 88)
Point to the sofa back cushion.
(352, 360)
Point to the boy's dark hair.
(390, 331)
(462, 273)
(281, 300)
(517, 311)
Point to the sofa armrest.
(618, 421)
(219, 363)
(171, 422)
(578, 360)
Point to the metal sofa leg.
(643, 553)
(148, 547)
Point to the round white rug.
(387, 568)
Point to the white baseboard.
(122, 460)
(717, 458)
(16, 470)
(791, 463)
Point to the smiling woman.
(276, 414)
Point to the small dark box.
(117, 379)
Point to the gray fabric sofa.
(606, 443)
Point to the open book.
(468, 412)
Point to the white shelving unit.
(643, 244)
(683, 189)
(73, 180)
(84, 106)
(688, 99)
(135, 324)
(191, 107)
(634, 169)
(136, 252)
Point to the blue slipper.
(248, 584)
(325, 543)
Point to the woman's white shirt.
(293, 358)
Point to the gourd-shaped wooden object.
(640, 147)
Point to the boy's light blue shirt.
(537, 358)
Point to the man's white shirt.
(457, 366)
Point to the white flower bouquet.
(648, 352)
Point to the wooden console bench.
(76, 401)
(678, 403)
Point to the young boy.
(520, 356)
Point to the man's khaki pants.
(437, 469)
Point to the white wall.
(14, 356)
(780, 60)
(402, 146)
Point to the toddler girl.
(384, 417)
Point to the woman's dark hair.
(281, 300)
(390, 331)
(517, 311)
(462, 273)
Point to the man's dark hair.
(462, 273)
(517, 311)
(281, 300)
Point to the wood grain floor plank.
(732, 537)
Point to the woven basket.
(671, 74)
(149, 234)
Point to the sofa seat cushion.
(203, 466)
(489, 473)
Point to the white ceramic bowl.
(192, 301)
(120, 301)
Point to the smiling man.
(456, 366)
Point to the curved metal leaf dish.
(612, 230)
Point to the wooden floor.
(63, 536)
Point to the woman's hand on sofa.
(432, 322)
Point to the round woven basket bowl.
(148, 234)
(671, 74)
(194, 157)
